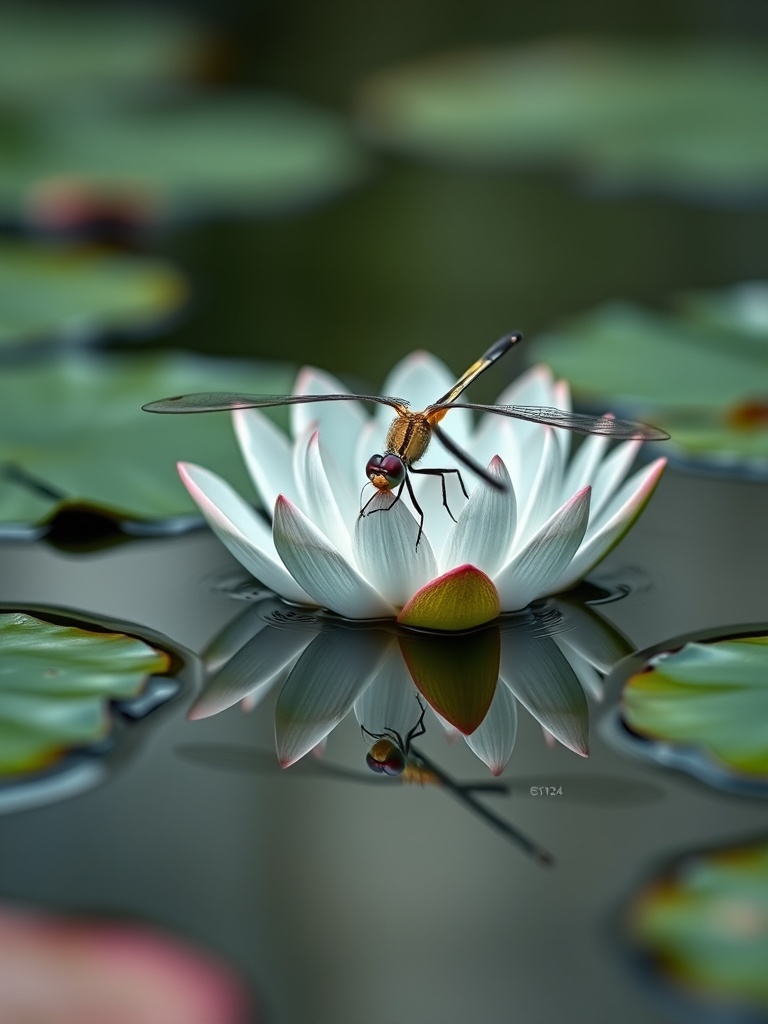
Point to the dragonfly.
(410, 433)
(395, 756)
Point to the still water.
(336, 898)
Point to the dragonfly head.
(386, 758)
(385, 471)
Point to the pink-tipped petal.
(321, 570)
(611, 474)
(614, 523)
(494, 739)
(338, 422)
(459, 599)
(545, 557)
(241, 530)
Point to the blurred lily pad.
(72, 431)
(702, 374)
(685, 117)
(50, 49)
(73, 293)
(700, 930)
(183, 157)
(56, 686)
(703, 708)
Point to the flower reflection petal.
(325, 682)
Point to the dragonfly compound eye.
(385, 758)
(385, 471)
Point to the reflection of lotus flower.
(557, 517)
(473, 683)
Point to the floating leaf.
(682, 117)
(72, 430)
(704, 384)
(701, 930)
(47, 50)
(56, 685)
(184, 157)
(704, 708)
(71, 293)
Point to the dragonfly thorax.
(385, 471)
(408, 437)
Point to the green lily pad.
(682, 117)
(183, 156)
(72, 293)
(72, 431)
(50, 49)
(702, 375)
(704, 708)
(56, 685)
(701, 929)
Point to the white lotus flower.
(557, 518)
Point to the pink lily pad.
(69, 971)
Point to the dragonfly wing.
(218, 401)
(579, 423)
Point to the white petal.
(241, 530)
(316, 493)
(540, 677)
(544, 558)
(338, 422)
(494, 739)
(251, 671)
(611, 526)
(561, 399)
(385, 549)
(267, 454)
(611, 473)
(327, 679)
(483, 535)
(584, 465)
(540, 498)
(589, 678)
(321, 569)
(389, 703)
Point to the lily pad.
(687, 118)
(700, 930)
(184, 156)
(73, 293)
(50, 49)
(73, 432)
(700, 375)
(702, 707)
(67, 689)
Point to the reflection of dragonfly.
(416, 768)
(394, 756)
(410, 432)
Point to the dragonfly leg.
(419, 729)
(387, 508)
(442, 473)
(416, 505)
